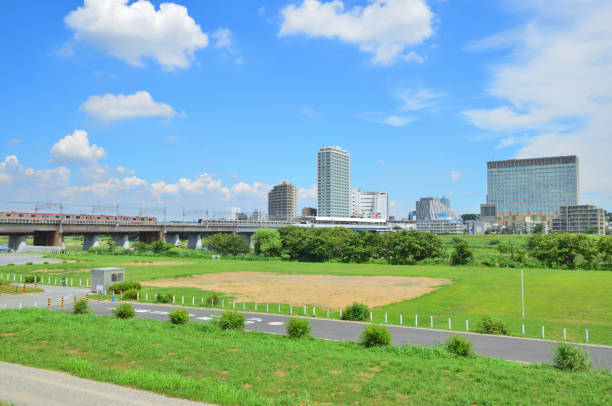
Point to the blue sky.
(206, 104)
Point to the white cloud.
(28, 181)
(308, 193)
(512, 141)
(14, 141)
(397, 121)
(256, 190)
(136, 31)
(172, 138)
(75, 149)
(556, 83)
(111, 107)
(413, 100)
(455, 175)
(384, 28)
(223, 38)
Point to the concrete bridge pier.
(17, 242)
(173, 238)
(90, 241)
(149, 237)
(249, 239)
(47, 238)
(195, 241)
(121, 240)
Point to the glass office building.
(333, 182)
(531, 188)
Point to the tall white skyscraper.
(333, 182)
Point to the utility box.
(103, 278)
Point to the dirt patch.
(321, 290)
(158, 263)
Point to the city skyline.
(244, 99)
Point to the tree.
(462, 254)
(228, 244)
(604, 248)
(267, 241)
(538, 229)
(469, 216)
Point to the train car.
(21, 217)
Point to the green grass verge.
(199, 362)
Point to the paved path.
(40, 299)
(509, 348)
(25, 386)
(22, 259)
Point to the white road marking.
(205, 318)
(275, 323)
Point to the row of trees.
(571, 250)
(344, 245)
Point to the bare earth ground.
(322, 290)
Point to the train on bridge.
(56, 218)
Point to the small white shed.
(103, 278)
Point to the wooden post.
(98, 296)
(87, 298)
(49, 303)
(62, 303)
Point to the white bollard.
(340, 313)
(586, 333)
(431, 321)
(416, 320)
(56, 281)
(370, 316)
(173, 298)
(267, 307)
(290, 309)
(71, 282)
(183, 300)
(146, 297)
(542, 331)
(564, 336)
(523, 328)
(401, 321)
(385, 317)
(255, 306)
(138, 296)
(212, 302)
(86, 283)
(279, 307)
(193, 300)
(233, 304)
(202, 299)
(304, 310)
(314, 311)
(467, 325)
(80, 282)
(19, 306)
(328, 312)
(223, 303)
(243, 305)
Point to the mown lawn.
(576, 300)
(199, 362)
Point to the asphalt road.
(25, 386)
(509, 348)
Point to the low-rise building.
(475, 226)
(309, 212)
(441, 226)
(580, 218)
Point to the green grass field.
(556, 299)
(199, 362)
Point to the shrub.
(124, 311)
(356, 311)
(28, 263)
(232, 321)
(45, 262)
(81, 307)
(460, 346)
(374, 335)
(213, 299)
(29, 279)
(163, 298)
(124, 286)
(131, 294)
(462, 254)
(488, 325)
(571, 358)
(298, 328)
(179, 316)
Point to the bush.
(356, 311)
(232, 321)
(489, 325)
(163, 298)
(131, 294)
(29, 279)
(124, 311)
(28, 263)
(298, 328)
(460, 346)
(179, 316)
(213, 299)
(374, 335)
(462, 254)
(124, 286)
(81, 307)
(571, 358)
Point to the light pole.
(522, 295)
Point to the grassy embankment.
(198, 362)
(557, 299)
